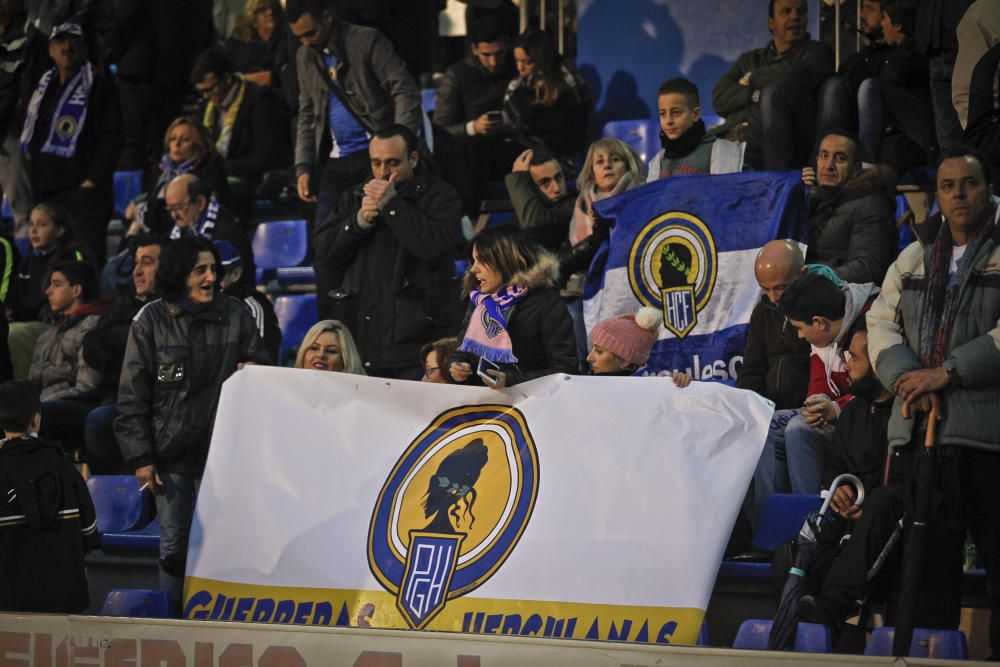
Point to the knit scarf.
(941, 296)
(487, 334)
(228, 117)
(203, 226)
(169, 170)
(69, 117)
(684, 144)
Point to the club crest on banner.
(672, 266)
(453, 508)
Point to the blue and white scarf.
(69, 117)
(203, 226)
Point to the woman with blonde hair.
(258, 47)
(329, 346)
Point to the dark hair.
(19, 403)
(178, 261)
(444, 347)
(770, 8)
(956, 152)
(850, 136)
(902, 13)
(59, 216)
(812, 295)
(681, 86)
(486, 29)
(541, 48)
(540, 155)
(294, 9)
(149, 238)
(210, 61)
(507, 249)
(78, 273)
(398, 130)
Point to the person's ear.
(202, 201)
(414, 159)
(236, 273)
(76, 291)
(35, 425)
(696, 113)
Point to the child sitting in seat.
(47, 519)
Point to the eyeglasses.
(211, 90)
(430, 370)
(177, 208)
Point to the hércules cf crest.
(453, 508)
(672, 265)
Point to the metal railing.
(542, 17)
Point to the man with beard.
(852, 226)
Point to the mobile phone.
(494, 116)
(485, 365)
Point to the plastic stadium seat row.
(810, 637)
(137, 603)
(277, 245)
(119, 503)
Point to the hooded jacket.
(58, 365)
(972, 408)
(175, 364)
(775, 359)
(47, 521)
(540, 329)
(853, 230)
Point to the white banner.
(574, 507)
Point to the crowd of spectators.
(116, 349)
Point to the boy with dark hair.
(542, 203)
(47, 519)
(687, 147)
(823, 313)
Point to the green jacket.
(972, 416)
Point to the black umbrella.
(913, 551)
(786, 620)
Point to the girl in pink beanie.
(621, 344)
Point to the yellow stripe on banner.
(208, 599)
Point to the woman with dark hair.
(517, 321)
(180, 350)
(548, 102)
(434, 360)
(187, 149)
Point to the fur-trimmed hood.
(545, 273)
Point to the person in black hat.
(231, 282)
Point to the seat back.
(280, 243)
(783, 516)
(642, 135)
(926, 643)
(127, 185)
(809, 637)
(136, 603)
(119, 503)
(296, 314)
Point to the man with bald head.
(775, 359)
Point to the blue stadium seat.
(146, 540)
(279, 244)
(137, 603)
(937, 644)
(296, 313)
(119, 503)
(809, 638)
(127, 186)
(296, 275)
(428, 97)
(642, 135)
(782, 518)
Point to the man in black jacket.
(771, 92)
(775, 359)
(391, 240)
(72, 137)
(852, 227)
(233, 284)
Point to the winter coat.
(983, 130)
(853, 231)
(726, 158)
(260, 141)
(396, 292)
(175, 364)
(560, 126)
(972, 414)
(467, 91)
(47, 522)
(26, 298)
(775, 359)
(859, 443)
(58, 365)
(540, 329)
(805, 65)
(544, 221)
(374, 80)
(104, 345)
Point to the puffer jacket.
(775, 359)
(396, 291)
(854, 230)
(376, 84)
(972, 415)
(540, 329)
(175, 364)
(58, 365)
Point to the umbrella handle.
(932, 422)
(845, 478)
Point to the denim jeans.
(946, 124)
(792, 460)
(871, 119)
(175, 509)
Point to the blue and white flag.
(686, 246)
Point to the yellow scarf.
(228, 120)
